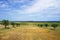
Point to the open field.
(30, 31)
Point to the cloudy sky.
(30, 10)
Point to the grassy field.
(29, 31)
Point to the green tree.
(46, 25)
(13, 24)
(5, 23)
(54, 25)
(17, 24)
(40, 25)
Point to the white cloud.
(38, 6)
(35, 11)
(3, 4)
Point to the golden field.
(29, 32)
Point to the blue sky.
(30, 10)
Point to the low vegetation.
(54, 26)
(17, 24)
(40, 25)
(29, 30)
(13, 24)
(46, 25)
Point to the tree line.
(7, 23)
(46, 25)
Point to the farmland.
(30, 31)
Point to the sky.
(30, 10)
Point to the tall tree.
(5, 23)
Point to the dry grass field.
(29, 32)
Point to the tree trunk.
(5, 26)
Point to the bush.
(17, 24)
(46, 25)
(13, 24)
(54, 25)
(40, 25)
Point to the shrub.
(40, 25)
(54, 25)
(46, 25)
(17, 24)
(13, 24)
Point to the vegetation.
(22, 31)
(13, 24)
(17, 24)
(40, 25)
(29, 32)
(46, 25)
(54, 25)
(5, 23)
